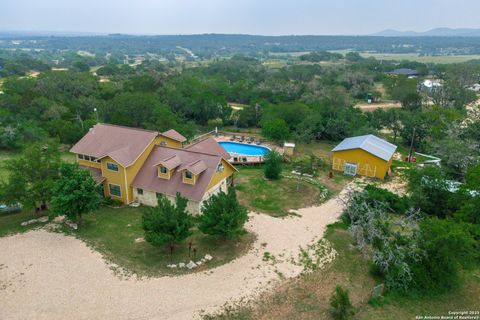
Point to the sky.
(260, 17)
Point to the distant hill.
(437, 32)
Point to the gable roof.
(210, 146)
(195, 167)
(173, 134)
(404, 71)
(123, 144)
(371, 144)
(170, 162)
(205, 164)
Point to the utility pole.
(411, 146)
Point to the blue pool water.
(244, 149)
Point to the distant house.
(430, 85)
(475, 87)
(136, 165)
(404, 72)
(363, 155)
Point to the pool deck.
(246, 159)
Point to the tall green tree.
(167, 223)
(223, 215)
(276, 129)
(32, 175)
(75, 192)
(448, 247)
(273, 165)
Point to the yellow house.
(196, 172)
(363, 155)
(120, 159)
(115, 154)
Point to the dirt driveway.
(46, 275)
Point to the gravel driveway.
(45, 275)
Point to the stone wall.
(149, 198)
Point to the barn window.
(350, 169)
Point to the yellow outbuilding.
(363, 155)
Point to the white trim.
(126, 185)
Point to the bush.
(394, 202)
(273, 165)
(108, 201)
(340, 306)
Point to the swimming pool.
(244, 149)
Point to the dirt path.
(47, 275)
(368, 107)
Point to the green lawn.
(275, 197)
(10, 223)
(307, 297)
(113, 232)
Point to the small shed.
(288, 148)
(366, 155)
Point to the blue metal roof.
(371, 144)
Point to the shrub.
(273, 165)
(394, 202)
(340, 306)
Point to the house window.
(220, 168)
(112, 166)
(115, 190)
(163, 170)
(350, 169)
(139, 191)
(80, 156)
(188, 175)
(86, 157)
(163, 143)
(93, 159)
